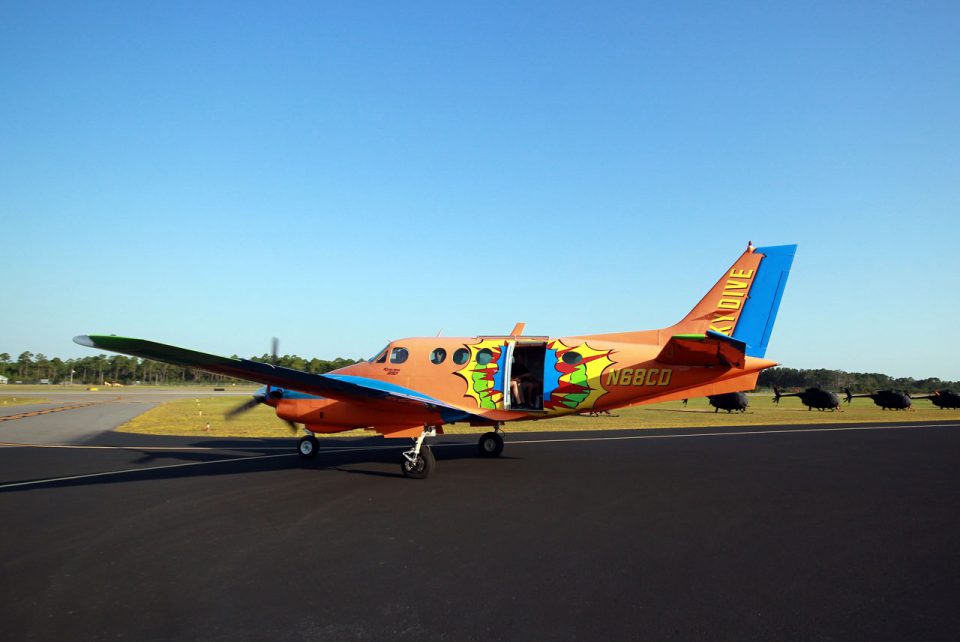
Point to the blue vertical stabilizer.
(760, 311)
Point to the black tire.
(421, 467)
(490, 444)
(307, 447)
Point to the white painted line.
(54, 480)
(732, 434)
(192, 448)
(337, 449)
(158, 448)
(511, 442)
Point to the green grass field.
(190, 417)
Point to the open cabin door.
(525, 388)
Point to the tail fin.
(744, 302)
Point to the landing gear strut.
(418, 462)
(491, 443)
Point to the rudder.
(743, 304)
(760, 312)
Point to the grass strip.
(204, 416)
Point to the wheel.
(491, 444)
(421, 467)
(307, 447)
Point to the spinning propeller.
(261, 397)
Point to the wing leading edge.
(333, 386)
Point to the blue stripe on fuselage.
(448, 415)
(551, 376)
(287, 393)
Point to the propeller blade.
(274, 344)
(244, 407)
(292, 425)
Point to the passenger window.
(484, 357)
(438, 355)
(572, 358)
(398, 355)
(461, 356)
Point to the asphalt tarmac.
(788, 533)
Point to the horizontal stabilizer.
(710, 349)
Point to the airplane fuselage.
(552, 377)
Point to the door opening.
(526, 376)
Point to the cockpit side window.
(399, 355)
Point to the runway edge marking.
(733, 434)
(37, 482)
(54, 480)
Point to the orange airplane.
(413, 387)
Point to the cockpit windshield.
(381, 356)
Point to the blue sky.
(214, 174)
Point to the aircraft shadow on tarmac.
(212, 464)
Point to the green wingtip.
(98, 340)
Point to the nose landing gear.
(419, 462)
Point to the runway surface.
(76, 416)
(825, 533)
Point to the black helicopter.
(729, 401)
(943, 399)
(886, 399)
(812, 398)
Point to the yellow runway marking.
(47, 411)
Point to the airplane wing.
(710, 349)
(330, 385)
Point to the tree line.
(99, 369)
(837, 380)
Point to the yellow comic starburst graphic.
(484, 380)
(580, 383)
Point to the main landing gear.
(491, 443)
(307, 447)
(419, 462)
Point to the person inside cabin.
(519, 376)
